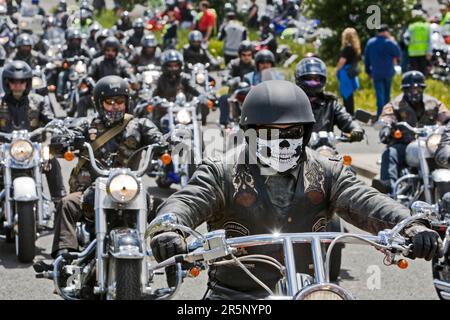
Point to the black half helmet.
(413, 79)
(107, 87)
(17, 70)
(102, 35)
(111, 42)
(94, 27)
(73, 34)
(245, 46)
(138, 23)
(264, 56)
(195, 36)
(24, 39)
(149, 41)
(171, 56)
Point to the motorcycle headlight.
(4, 40)
(183, 117)
(21, 150)
(36, 82)
(148, 78)
(123, 188)
(80, 67)
(325, 152)
(326, 291)
(323, 295)
(200, 78)
(433, 142)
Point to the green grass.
(107, 19)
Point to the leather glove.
(426, 243)
(385, 134)
(357, 135)
(167, 244)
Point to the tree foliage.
(359, 14)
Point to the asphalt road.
(363, 272)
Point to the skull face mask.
(280, 154)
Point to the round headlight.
(326, 152)
(36, 82)
(80, 67)
(21, 150)
(323, 295)
(433, 142)
(327, 291)
(148, 77)
(200, 78)
(123, 188)
(183, 117)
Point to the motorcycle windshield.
(277, 74)
(55, 36)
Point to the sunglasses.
(116, 100)
(269, 133)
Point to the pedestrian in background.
(252, 21)
(380, 56)
(347, 69)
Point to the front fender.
(24, 189)
(125, 244)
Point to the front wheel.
(26, 236)
(128, 279)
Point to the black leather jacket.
(169, 89)
(34, 59)
(239, 69)
(197, 55)
(328, 112)
(72, 52)
(234, 197)
(139, 59)
(101, 67)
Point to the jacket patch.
(320, 225)
(245, 193)
(314, 182)
(235, 227)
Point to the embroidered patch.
(314, 182)
(320, 225)
(237, 228)
(245, 192)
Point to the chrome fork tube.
(40, 208)
(8, 209)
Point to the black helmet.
(50, 21)
(17, 70)
(95, 27)
(168, 57)
(62, 6)
(111, 42)
(245, 46)
(277, 102)
(138, 24)
(195, 36)
(307, 67)
(73, 34)
(149, 41)
(264, 56)
(413, 79)
(24, 39)
(125, 15)
(102, 35)
(413, 85)
(265, 19)
(107, 87)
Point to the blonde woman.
(347, 67)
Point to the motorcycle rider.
(124, 23)
(91, 41)
(267, 34)
(111, 98)
(99, 38)
(149, 53)
(264, 60)
(109, 63)
(238, 67)
(21, 109)
(73, 49)
(260, 194)
(194, 52)
(138, 33)
(25, 52)
(415, 108)
(311, 76)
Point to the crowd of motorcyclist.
(241, 198)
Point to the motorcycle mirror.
(363, 116)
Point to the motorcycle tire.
(26, 236)
(128, 279)
(437, 276)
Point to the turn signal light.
(194, 272)
(210, 104)
(52, 88)
(166, 159)
(69, 155)
(149, 108)
(347, 160)
(402, 264)
(65, 65)
(398, 134)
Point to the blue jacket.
(378, 57)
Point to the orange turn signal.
(347, 160)
(210, 104)
(149, 108)
(52, 88)
(402, 264)
(194, 272)
(65, 65)
(398, 134)
(69, 155)
(166, 159)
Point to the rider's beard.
(17, 94)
